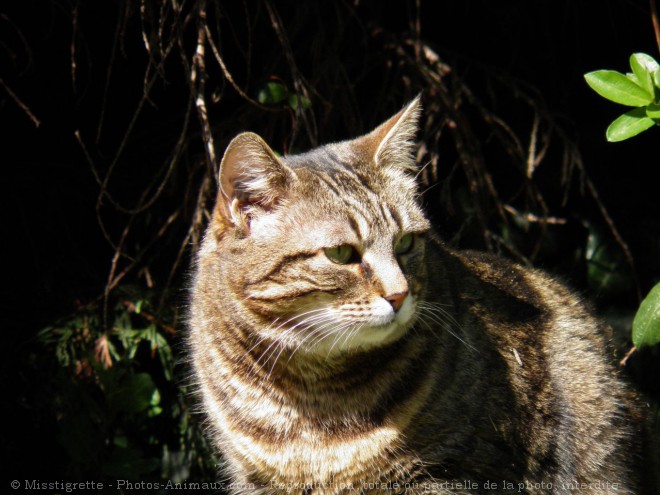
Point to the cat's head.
(326, 245)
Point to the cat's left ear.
(252, 180)
(393, 142)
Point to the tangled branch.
(200, 50)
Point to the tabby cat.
(340, 347)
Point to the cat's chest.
(304, 445)
(316, 459)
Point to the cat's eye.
(340, 254)
(404, 245)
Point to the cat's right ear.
(252, 178)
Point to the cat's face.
(327, 246)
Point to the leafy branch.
(639, 89)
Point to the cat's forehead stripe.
(388, 212)
(351, 190)
(369, 213)
(331, 184)
(355, 226)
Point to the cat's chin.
(381, 331)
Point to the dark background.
(55, 254)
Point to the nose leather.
(396, 300)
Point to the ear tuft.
(395, 139)
(252, 178)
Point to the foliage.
(275, 92)
(639, 89)
(121, 411)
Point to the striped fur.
(313, 379)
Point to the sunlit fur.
(418, 369)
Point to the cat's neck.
(321, 372)
(348, 393)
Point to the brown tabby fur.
(312, 382)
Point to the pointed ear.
(252, 178)
(393, 142)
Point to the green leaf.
(296, 101)
(135, 393)
(628, 125)
(646, 325)
(644, 67)
(272, 93)
(653, 111)
(112, 350)
(607, 271)
(154, 404)
(618, 88)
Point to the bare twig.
(22, 105)
(615, 232)
(98, 179)
(106, 83)
(113, 280)
(417, 30)
(228, 75)
(531, 218)
(299, 82)
(198, 86)
(532, 161)
(74, 35)
(630, 352)
(655, 21)
(17, 31)
(479, 179)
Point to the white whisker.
(437, 314)
(290, 336)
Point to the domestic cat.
(339, 346)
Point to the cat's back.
(572, 412)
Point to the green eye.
(340, 254)
(404, 245)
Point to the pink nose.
(396, 300)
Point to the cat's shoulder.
(503, 279)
